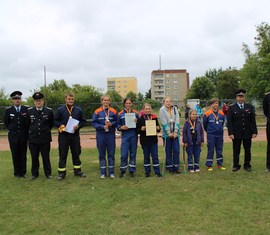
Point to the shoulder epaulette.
(8, 107)
(48, 108)
(29, 108)
(267, 93)
(135, 111)
(113, 110)
(207, 113)
(120, 112)
(98, 110)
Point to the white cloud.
(87, 41)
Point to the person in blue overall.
(193, 138)
(129, 138)
(169, 118)
(149, 143)
(213, 123)
(104, 121)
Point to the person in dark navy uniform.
(266, 111)
(70, 139)
(15, 121)
(241, 128)
(40, 121)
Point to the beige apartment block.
(122, 85)
(173, 83)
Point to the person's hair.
(214, 100)
(126, 99)
(192, 111)
(69, 94)
(147, 104)
(166, 97)
(102, 97)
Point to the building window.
(167, 93)
(174, 75)
(175, 87)
(168, 81)
(125, 82)
(119, 82)
(175, 98)
(118, 87)
(175, 81)
(168, 86)
(159, 75)
(175, 92)
(168, 75)
(125, 86)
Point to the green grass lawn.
(199, 203)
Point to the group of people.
(32, 126)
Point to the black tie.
(241, 106)
(18, 110)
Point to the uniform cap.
(240, 92)
(15, 94)
(38, 96)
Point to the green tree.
(132, 95)
(201, 88)
(140, 97)
(228, 83)
(148, 94)
(213, 75)
(4, 99)
(115, 96)
(255, 74)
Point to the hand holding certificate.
(151, 128)
(71, 124)
(129, 120)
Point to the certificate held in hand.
(151, 128)
(71, 124)
(129, 120)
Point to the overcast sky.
(86, 41)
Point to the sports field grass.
(199, 203)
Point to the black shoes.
(177, 172)
(34, 177)
(49, 177)
(61, 176)
(236, 168)
(158, 175)
(132, 174)
(248, 169)
(80, 174)
(122, 174)
(147, 175)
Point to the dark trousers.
(236, 152)
(172, 150)
(18, 152)
(268, 144)
(66, 141)
(150, 148)
(44, 150)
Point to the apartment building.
(173, 83)
(122, 85)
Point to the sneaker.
(210, 168)
(158, 175)
(221, 168)
(191, 171)
(102, 177)
(197, 170)
(112, 176)
(147, 175)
